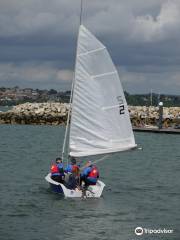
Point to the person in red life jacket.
(90, 174)
(57, 171)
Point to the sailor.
(72, 178)
(90, 174)
(72, 167)
(57, 171)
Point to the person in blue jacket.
(72, 167)
(57, 171)
(72, 174)
(90, 174)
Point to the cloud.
(65, 75)
(162, 27)
(35, 74)
(34, 17)
(160, 81)
(38, 41)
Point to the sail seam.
(103, 74)
(92, 51)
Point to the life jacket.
(75, 170)
(54, 169)
(94, 173)
(72, 169)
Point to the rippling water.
(5, 108)
(142, 189)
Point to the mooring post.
(160, 122)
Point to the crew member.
(90, 174)
(57, 171)
(72, 167)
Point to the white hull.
(93, 191)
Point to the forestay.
(100, 120)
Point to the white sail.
(100, 120)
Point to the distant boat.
(100, 122)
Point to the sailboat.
(100, 122)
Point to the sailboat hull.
(93, 191)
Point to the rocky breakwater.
(36, 113)
(56, 113)
(142, 115)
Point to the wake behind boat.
(100, 122)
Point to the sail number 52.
(121, 105)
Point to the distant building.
(28, 90)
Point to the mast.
(80, 20)
(72, 89)
(159, 97)
(151, 97)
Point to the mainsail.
(100, 120)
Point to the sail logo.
(121, 105)
(139, 231)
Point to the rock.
(56, 113)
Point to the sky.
(38, 42)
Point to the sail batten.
(104, 74)
(91, 51)
(97, 88)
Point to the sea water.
(142, 190)
(5, 108)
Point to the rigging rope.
(97, 161)
(101, 159)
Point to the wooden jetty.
(157, 130)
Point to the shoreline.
(56, 114)
(36, 114)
